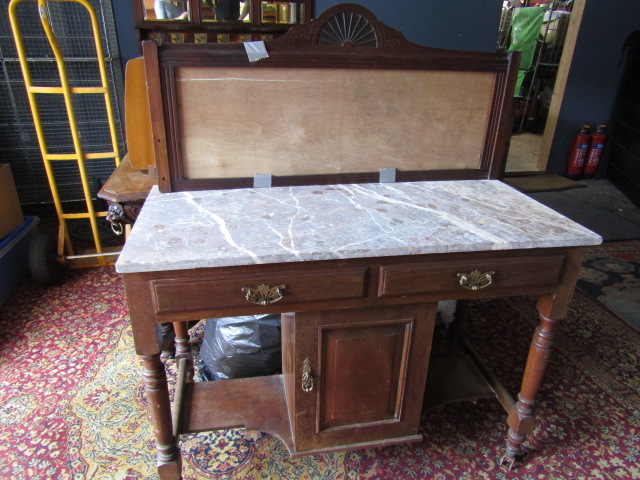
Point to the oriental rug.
(611, 274)
(72, 404)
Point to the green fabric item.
(525, 30)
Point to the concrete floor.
(523, 152)
(598, 205)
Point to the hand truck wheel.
(43, 263)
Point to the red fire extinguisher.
(595, 151)
(578, 153)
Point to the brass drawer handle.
(476, 279)
(264, 294)
(307, 376)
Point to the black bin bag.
(238, 347)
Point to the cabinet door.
(356, 377)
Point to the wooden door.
(356, 377)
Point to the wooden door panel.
(363, 372)
(368, 369)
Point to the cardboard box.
(14, 257)
(10, 211)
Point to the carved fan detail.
(348, 29)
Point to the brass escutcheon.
(264, 294)
(307, 376)
(475, 280)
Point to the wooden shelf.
(257, 403)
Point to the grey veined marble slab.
(289, 224)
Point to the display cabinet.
(214, 21)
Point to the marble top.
(218, 228)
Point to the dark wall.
(595, 73)
(469, 25)
(127, 33)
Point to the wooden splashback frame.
(302, 49)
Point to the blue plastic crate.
(14, 257)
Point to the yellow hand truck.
(46, 256)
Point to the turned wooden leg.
(521, 418)
(182, 339)
(168, 341)
(155, 385)
(183, 348)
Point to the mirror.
(281, 12)
(174, 10)
(226, 11)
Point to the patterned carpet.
(611, 274)
(72, 405)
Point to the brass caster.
(508, 461)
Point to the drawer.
(230, 291)
(510, 273)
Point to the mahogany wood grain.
(521, 416)
(209, 292)
(215, 293)
(289, 379)
(155, 385)
(178, 396)
(369, 369)
(329, 418)
(557, 304)
(183, 350)
(147, 338)
(258, 403)
(516, 272)
(370, 390)
(156, 112)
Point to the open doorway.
(544, 31)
